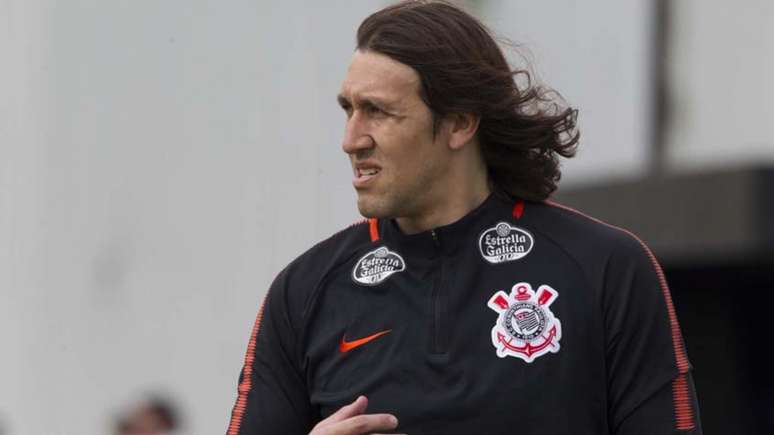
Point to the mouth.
(364, 175)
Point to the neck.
(460, 196)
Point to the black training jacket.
(520, 318)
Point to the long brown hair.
(462, 70)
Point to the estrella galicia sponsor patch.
(504, 242)
(526, 328)
(377, 265)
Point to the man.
(467, 302)
(152, 416)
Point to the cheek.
(414, 173)
(407, 166)
(409, 155)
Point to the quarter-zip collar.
(446, 239)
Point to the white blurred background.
(160, 161)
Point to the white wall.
(722, 68)
(160, 162)
(596, 54)
(22, 121)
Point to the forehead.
(372, 74)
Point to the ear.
(462, 129)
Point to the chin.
(366, 211)
(371, 207)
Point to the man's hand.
(351, 420)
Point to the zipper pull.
(435, 238)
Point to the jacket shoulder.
(577, 231)
(334, 250)
(596, 246)
(299, 280)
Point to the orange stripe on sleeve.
(683, 405)
(238, 413)
(680, 395)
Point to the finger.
(355, 408)
(365, 424)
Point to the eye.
(345, 105)
(347, 110)
(372, 110)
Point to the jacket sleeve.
(650, 387)
(272, 395)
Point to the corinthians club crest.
(526, 328)
(377, 265)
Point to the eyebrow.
(373, 101)
(342, 100)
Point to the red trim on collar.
(518, 209)
(373, 228)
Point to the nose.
(356, 136)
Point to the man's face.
(398, 165)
